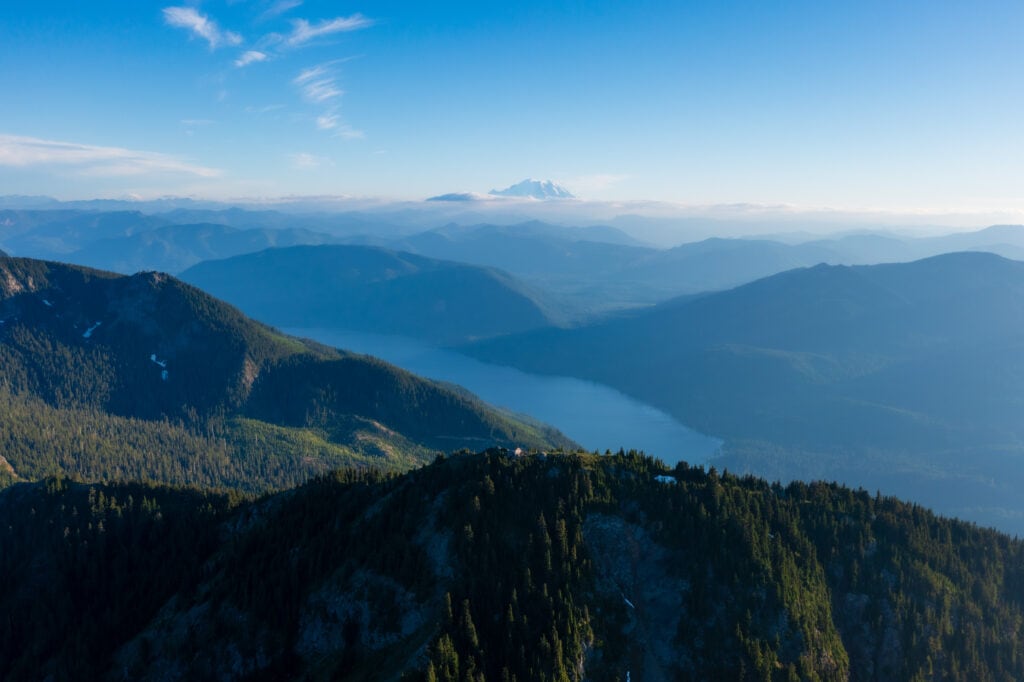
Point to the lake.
(595, 416)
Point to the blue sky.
(903, 106)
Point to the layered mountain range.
(588, 270)
(186, 493)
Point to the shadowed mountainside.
(904, 377)
(372, 289)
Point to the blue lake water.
(595, 416)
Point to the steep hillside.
(109, 376)
(370, 289)
(491, 567)
(905, 377)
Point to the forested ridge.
(494, 567)
(147, 378)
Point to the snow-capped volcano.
(535, 189)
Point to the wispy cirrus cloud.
(279, 8)
(328, 121)
(319, 83)
(251, 57)
(22, 152)
(199, 25)
(303, 31)
(331, 120)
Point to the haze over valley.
(800, 362)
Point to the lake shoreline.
(596, 416)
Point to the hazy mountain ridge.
(152, 361)
(374, 289)
(458, 196)
(174, 248)
(537, 229)
(170, 240)
(581, 266)
(900, 376)
(598, 271)
(57, 233)
(596, 568)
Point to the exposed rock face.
(631, 566)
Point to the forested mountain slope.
(108, 376)
(905, 377)
(492, 567)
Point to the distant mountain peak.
(459, 196)
(535, 189)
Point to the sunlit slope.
(145, 376)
